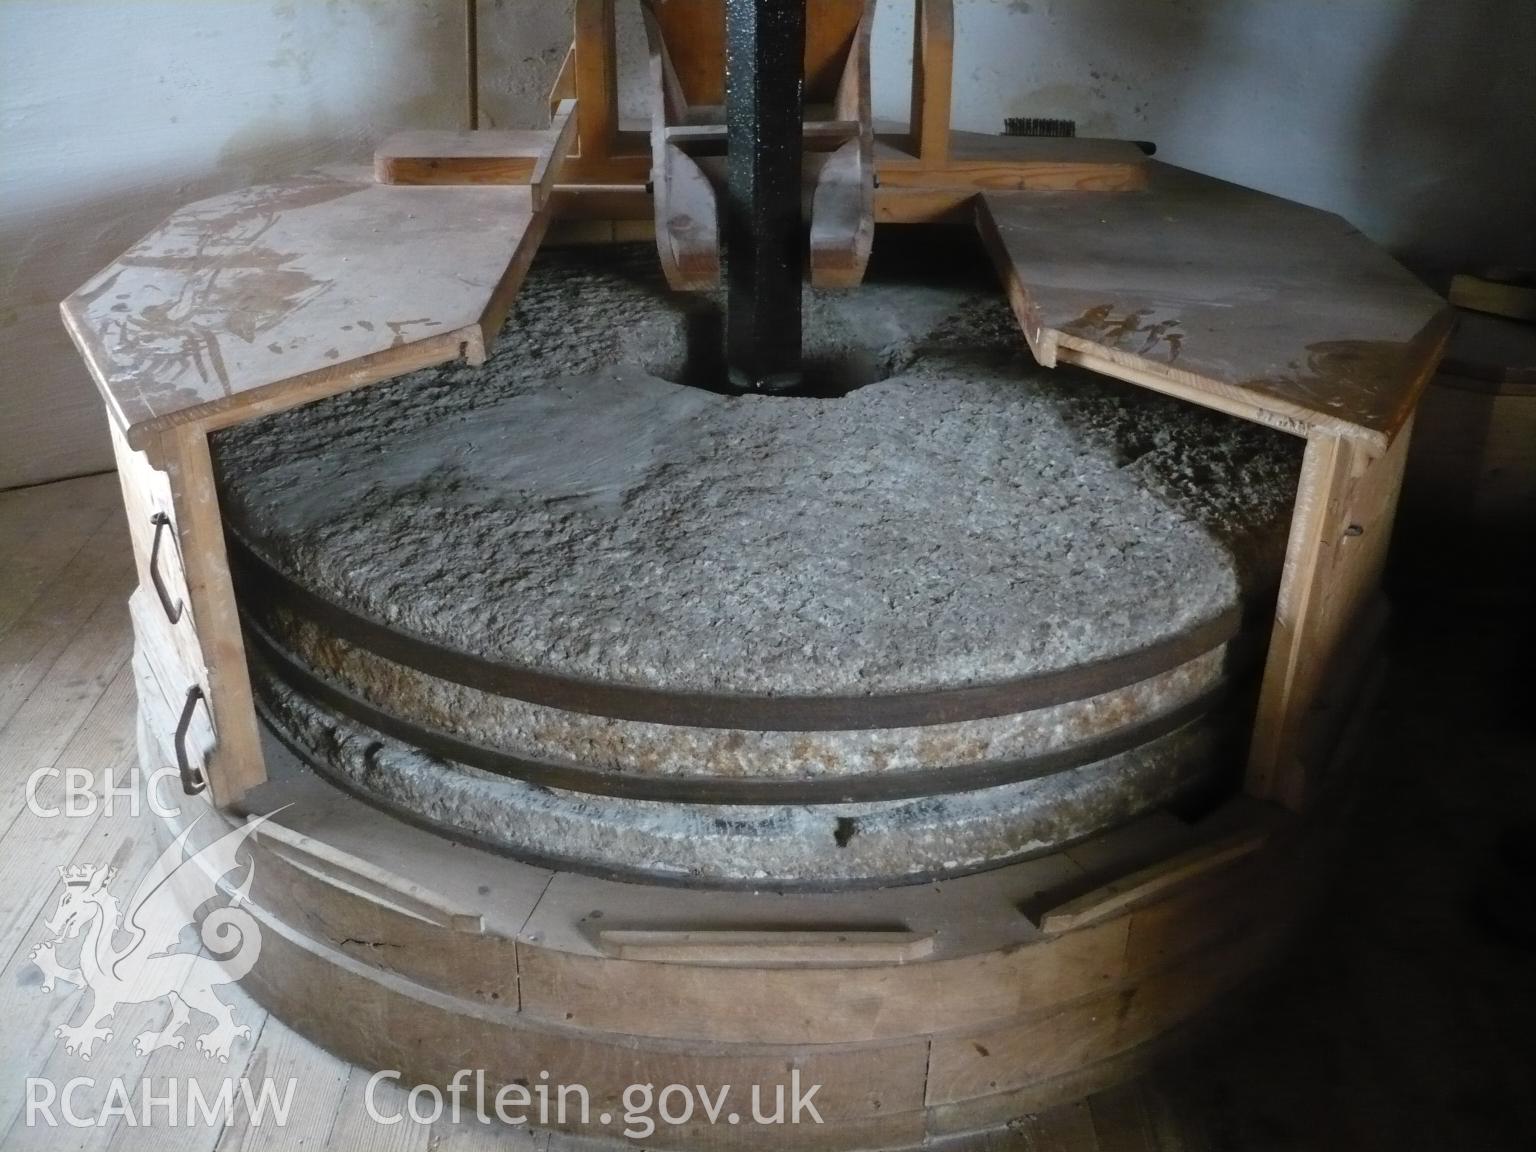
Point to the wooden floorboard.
(28, 1045)
(42, 529)
(282, 1055)
(104, 748)
(47, 719)
(86, 593)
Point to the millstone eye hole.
(825, 376)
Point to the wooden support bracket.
(687, 213)
(843, 205)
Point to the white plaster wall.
(1414, 118)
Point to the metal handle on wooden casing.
(192, 781)
(172, 611)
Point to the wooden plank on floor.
(182, 1067)
(186, 1066)
(41, 531)
(45, 1056)
(50, 715)
(35, 841)
(281, 1055)
(28, 1046)
(469, 1135)
(355, 1130)
(87, 593)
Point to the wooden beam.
(1340, 530)
(843, 205)
(979, 162)
(709, 139)
(933, 62)
(687, 222)
(236, 764)
(445, 157)
(842, 220)
(597, 90)
(1512, 301)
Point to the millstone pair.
(575, 611)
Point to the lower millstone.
(969, 521)
(776, 846)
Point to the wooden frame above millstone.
(922, 171)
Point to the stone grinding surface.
(881, 842)
(972, 518)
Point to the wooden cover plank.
(1222, 295)
(976, 161)
(531, 159)
(449, 156)
(234, 295)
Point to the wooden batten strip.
(1156, 880)
(767, 948)
(340, 869)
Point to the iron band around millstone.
(861, 788)
(260, 585)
